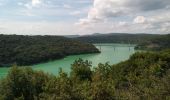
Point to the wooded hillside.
(26, 50)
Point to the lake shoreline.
(108, 54)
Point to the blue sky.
(66, 17)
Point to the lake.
(112, 53)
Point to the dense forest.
(145, 76)
(143, 41)
(159, 43)
(117, 38)
(26, 50)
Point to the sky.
(81, 17)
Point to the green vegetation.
(143, 41)
(26, 50)
(159, 43)
(145, 76)
(118, 38)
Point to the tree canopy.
(159, 43)
(146, 75)
(26, 50)
(118, 38)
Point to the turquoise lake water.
(112, 53)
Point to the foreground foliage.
(145, 76)
(27, 50)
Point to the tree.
(81, 70)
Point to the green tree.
(81, 70)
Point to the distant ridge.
(71, 36)
(117, 37)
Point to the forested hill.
(143, 41)
(159, 43)
(117, 38)
(26, 50)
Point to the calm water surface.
(112, 53)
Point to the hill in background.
(26, 50)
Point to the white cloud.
(103, 16)
(75, 13)
(103, 9)
(140, 20)
(115, 8)
(122, 23)
(20, 3)
(124, 15)
(37, 28)
(67, 6)
(28, 6)
(35, 2)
